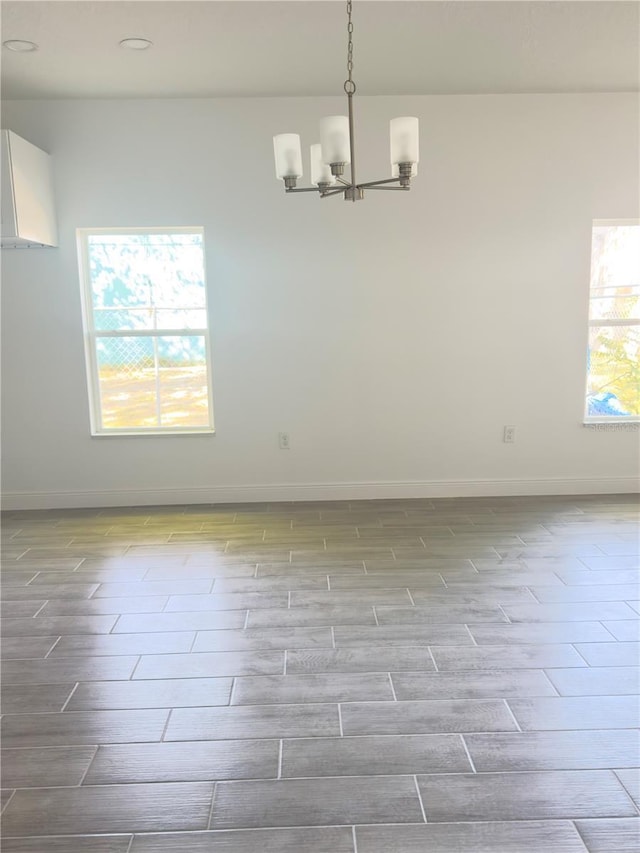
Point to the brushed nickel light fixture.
(336, 149)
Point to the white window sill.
(612, 424)
(141, 433)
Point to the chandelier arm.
(302, 190)
(377, 183)
(342, 181)
(332, 192)
(374, 187)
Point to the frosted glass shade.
(404, 140)
(320, 171)
(288, 154)
(334, 139)
(395, 170)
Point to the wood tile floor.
(363, 677)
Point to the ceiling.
(220, 49)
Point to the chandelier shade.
(288, 154)
(403, 133)
(334, 139)
(337, 149)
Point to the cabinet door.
(33, 192)
(8, 224)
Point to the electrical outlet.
(284, 441)
(509, 435)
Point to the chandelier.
(336, 149)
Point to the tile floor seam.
(506, 615)
(574, 823)
(435, 665)
(88, 767)
(213, 799)
(466, 749)
(441, 733)
(166, 726)
(68, 699)
(117, 615)
(11, 796)
(382, 775)
(424, 814)
(50, 650)
(544, 672)
(473, 639)
(135, 667)
(354, 839)
(581, 655)
(615, 639)
(626, 790)
(513, 716)
(395, 698)
(234, 679)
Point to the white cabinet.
(28, 216)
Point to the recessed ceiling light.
(20, 45)
(136, 44)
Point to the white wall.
(392, 338)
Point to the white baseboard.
(320, 492)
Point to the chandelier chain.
(349, 85)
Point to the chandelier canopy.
(336, 149)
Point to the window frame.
(604, 419)
(91, 335)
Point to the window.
(144, 305)
(613, 373)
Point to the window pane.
(615, 256)
(615, 272)
(150, 271)
(127, 374)
(122, 319)
(614, 371)
(183, 381)
(174, 319)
